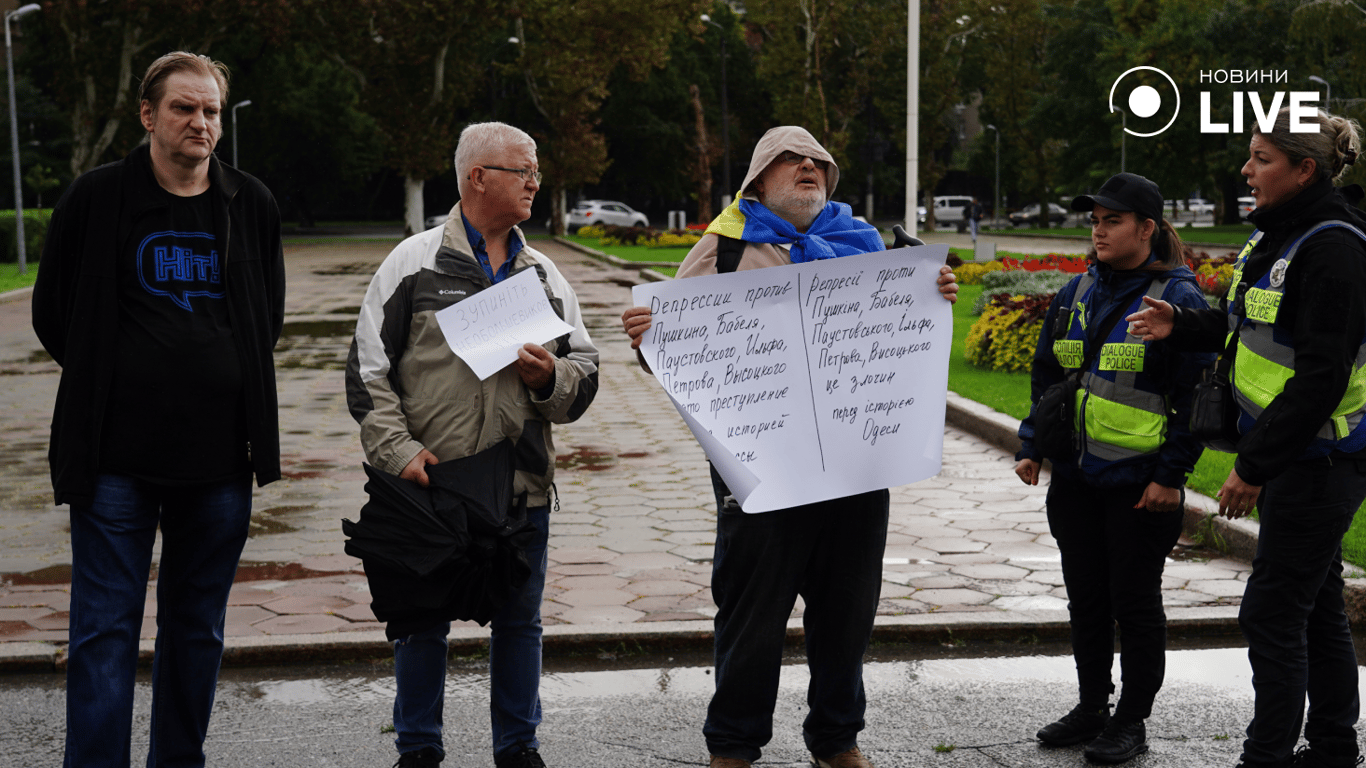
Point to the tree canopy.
(356, 106)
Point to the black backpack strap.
(728, 253)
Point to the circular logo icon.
(1145, 101)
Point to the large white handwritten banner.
(487, 329)
(809, 381)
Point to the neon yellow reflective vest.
(1265, 358)
(1120, 411)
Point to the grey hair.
(1332, 147)
(480, 141)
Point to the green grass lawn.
(10, 279)
(633, 252)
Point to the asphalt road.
(928, 706)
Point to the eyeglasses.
(792, 158)
(523, 172)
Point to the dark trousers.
(830, 553)
(1299, 641)
(1112, 558)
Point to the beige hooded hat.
(790, 138)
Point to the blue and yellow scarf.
(834, 233)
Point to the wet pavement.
(928, 706)
(968, 552)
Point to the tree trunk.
(702, 173)
(88, 141)
(413, 218)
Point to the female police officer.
(1115, 499)
(1298, 304)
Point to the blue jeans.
(830, 553)
(203, 529)
(1293, 616)
(514, 666)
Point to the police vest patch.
(1068, 352)
(1122, 357)
(1262, 305)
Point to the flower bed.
(1003, 339)
(609, 235)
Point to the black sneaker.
(1083, 723)
(521, 757)
(1121, 741)
(427, 757)
(1306, 757)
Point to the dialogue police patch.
(179, 265)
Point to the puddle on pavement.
(251, 571)
(53, 574)
(246, 571)
(268, 521)
(575, 680)
(39, 359)
(314, 345)
(586, 458)
(1192, 553)
(353, 268)
(593, 459)
(318, 329)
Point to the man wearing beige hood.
(829, 552)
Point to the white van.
(952, 209)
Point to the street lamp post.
(18, 13)
(493, 75)
(1328, 96)
(725, 115)
(245, 103)
(1123, 132)
(996, 190)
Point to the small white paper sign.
(487, 329)
(810, 381)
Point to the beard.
(798, 207)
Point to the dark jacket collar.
(223, 179)
(1319, 201)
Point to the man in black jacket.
(161, 295)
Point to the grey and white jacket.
(409, 391)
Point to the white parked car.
(1030, 215)
(437, 220)
(588, 212)
(1246, 205)
(1199, 206)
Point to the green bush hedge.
(35, 234)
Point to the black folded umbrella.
(452, 551)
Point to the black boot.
(1083, 723)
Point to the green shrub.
(1018, 281)
(35, 234)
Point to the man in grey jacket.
(418, 404)
(829, 552)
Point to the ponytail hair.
(1332, 147)
(1168, 249)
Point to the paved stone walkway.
(630, 545)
